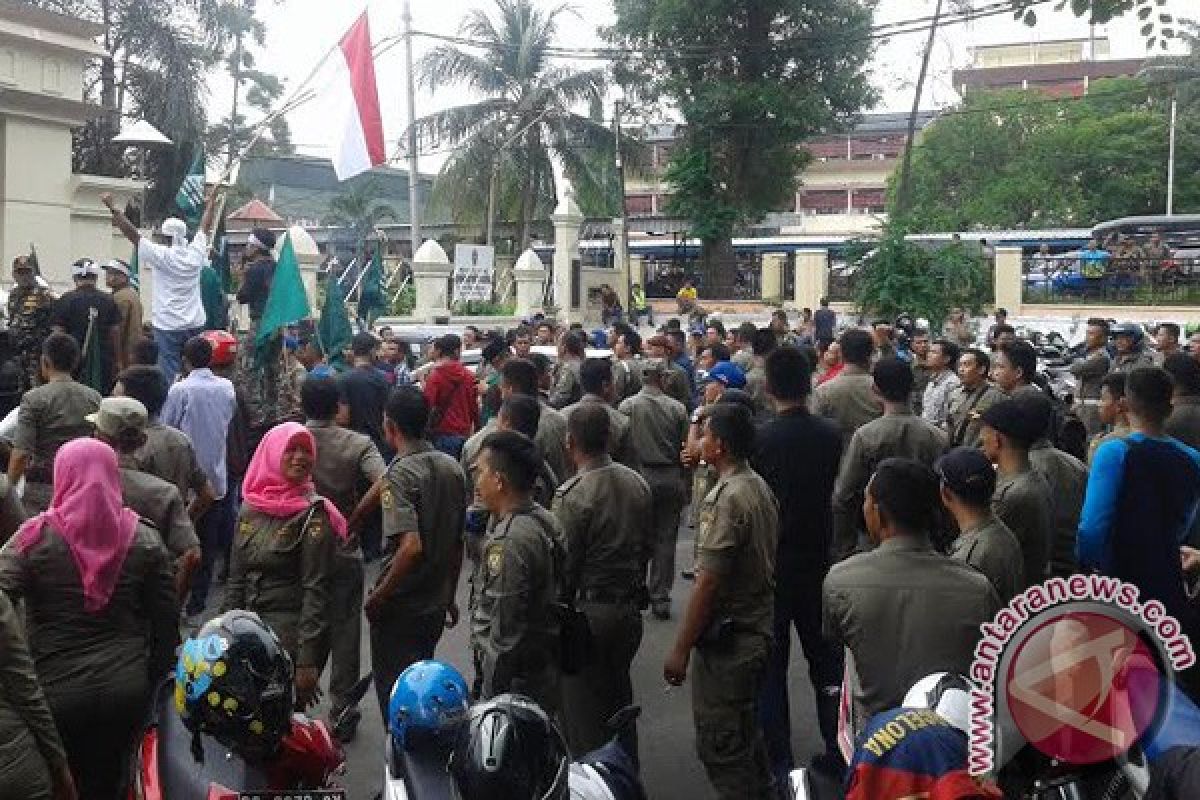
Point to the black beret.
(1013, 420)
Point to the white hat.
(85, 268)
(946, 694)
(117, 265)
(174, 228)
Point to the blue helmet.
(429, 700)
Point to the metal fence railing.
(1098, 278)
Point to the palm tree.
(361, 209)
(525, 118)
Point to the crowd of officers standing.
(879, 499)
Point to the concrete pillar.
(772, 277)
(1007, 279)
(637, 270)
(567, 219)
(530, 276)
(812, 277)
(431, 279)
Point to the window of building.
(638, 205)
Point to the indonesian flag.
(361, 146)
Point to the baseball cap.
(968, 473)
(1009, 418)
(118, 414)
(117, 265)
(728, 374)
(85, 268)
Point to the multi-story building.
(1062, 68)
(841, 192)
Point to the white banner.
(474, 272)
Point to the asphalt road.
(670, 768)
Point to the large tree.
(752, 80)
(531, 110)
(1022, 159)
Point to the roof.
(49, 20)
(890, 121)
(1040, 74)
(257, 211)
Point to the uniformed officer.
(29, 308)
(729, 615)
(424, 504)
(971, 398)
(849, 399)
(658, 427)
(1129, 352)
(348, 464)
(1114, 412)
(1023, 498)
(1065, 474)
(675, 380)
(514, 625)
(121, 423)
(762, 345)
(968, 481)
(284, 551)
(1184, 422)
(1089, 371)
(604, 511)
(897, 434)
(627, 366)
(567, 388)
(50, 415)
(596, 378)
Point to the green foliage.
(1020, 159)
(752, 81)
(1158, 27)
(895, 275)
(361, 208)
(524, 118)
(405, 302)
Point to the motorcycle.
(170, 763)
(421, 773)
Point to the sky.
(300, 32)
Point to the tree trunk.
(527, 189)
(719, 265)
(111, 120)
(902, 190)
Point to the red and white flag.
(361, 146)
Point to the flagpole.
(414, 211)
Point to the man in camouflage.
(29, 307)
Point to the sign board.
(474, 272)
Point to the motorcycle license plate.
(299, 794)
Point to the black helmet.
(509, 750)
(233, 682)
(1132, 330)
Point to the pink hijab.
(266, 490)
(87, 510)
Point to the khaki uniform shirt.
(426, 494)
(966, 407)
(25, 718)
(1023, 502)
(129, 331)
(756, 385)
(891, 436)
(1090, 372)
(281, 570)
(159, 502)
(116, 650)
(50, 416)
(620, 446)
(736, 541)
(904, 611)
(1184, 422)
(168, 454)
(567, 388)
(849, 400)
(514, 628)
(607, 523)
(348, 463)
(627, 378)
(658, 427)
(677, 386)
(991, 548)
(1128, 363)
(1067, 478)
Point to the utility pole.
(414, 209)
(1171, 156)
(623, 244)
(902, 189)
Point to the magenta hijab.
(88, 512)
(267, 491)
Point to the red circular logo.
(1083, 687)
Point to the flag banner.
(371, 302)
(190, 197)
(361, 146)
(334, 332)
(287, 303)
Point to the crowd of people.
(879, 491)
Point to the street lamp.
(143, 136)
(1178, 73)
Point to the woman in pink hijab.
(283, 552)
(101, 612)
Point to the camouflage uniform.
(29, 323)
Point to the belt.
(1089, 401)
(606, 596)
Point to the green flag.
(190, 197)
(371, 302)
(287, 302)
(220, 255)
(334, 331)
(134, 281)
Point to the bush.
(405, 302)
